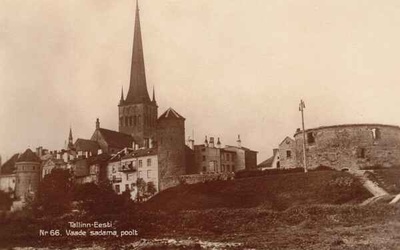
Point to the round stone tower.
(171, 146)
(28, 175)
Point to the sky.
(228, 66)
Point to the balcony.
(116, 180)
(128, 168)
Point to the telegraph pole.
(302, 106)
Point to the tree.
(99, 198)
(141, 189)
(55, 192)
(5, 201)
(151, 188)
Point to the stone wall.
(195, 178)
(354, 146)
(288, 153)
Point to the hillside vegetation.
(275, 192)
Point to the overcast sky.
(229, 66)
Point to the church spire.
(154, 95)
(121, 101)
(138, 87)
(70, 139)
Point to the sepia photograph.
(199, 124)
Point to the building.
(27, 175)
(50, 164)
(125, 170)
(171, 146)
(272, 162)
(350, 146)
(138, 114)
(210, 157)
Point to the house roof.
(86, 145)
(116, 139)
(97, 159)
(171, 114)
(243, 148)
(141, 152)
(28, 156)
(9, 166)
(287, 137)
(267, 163)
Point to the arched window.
(139, 120)
(134, 120)
(121, 121)
(126, 121)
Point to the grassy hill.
(275, 192)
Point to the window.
(310, 137)
(288, 154)
(204, 169)
(204, 158)
(376, 133)
(126, 186)
(139, 174)
(117, 189)
(133, 186)
(121, 121)
(361, 153)
(149, 173)
(149, 162)
(140, 163)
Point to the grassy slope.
(276, 192)
(389, 179)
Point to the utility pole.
(302, 106)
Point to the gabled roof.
(268, 162)
(86, 145)
(9, 166)
(116, 139)
(287, 137)
(28, 156)
(171, 114)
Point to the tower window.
(376, 133)
(310, 137)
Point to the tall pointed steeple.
(70, 139)
(121, 101)
(154, 96)
(138, 87)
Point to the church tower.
(137, 112)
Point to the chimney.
(239, 142)
(58, 155)
(212, 142)
(275, 151)
(87, 154)
(298, 130)
(150, 143)
(191, 143)
(218, 143)
(206, 142)
(97, 123)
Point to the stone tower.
(137, 112)
(28, 175)
(171, 146)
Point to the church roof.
(137, 92)
(28, 156)
(171, 114)
(116, 139)
(9, 166)
(86, 145)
